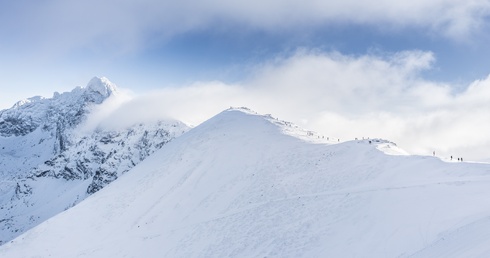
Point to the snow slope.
(239, 186)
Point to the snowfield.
(242, 185)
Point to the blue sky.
(417, 50)
(56, 45)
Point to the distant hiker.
(434, 153)
(458, 159)
(451, 157)
(461, 159)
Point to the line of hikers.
(459, 159)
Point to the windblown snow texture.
(241, 185)
(47, 166)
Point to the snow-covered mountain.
(243, 185)
(47, 165)
(35, 129)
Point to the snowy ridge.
(290, 128)
(47, 166)
(296, 131)
(236, 185)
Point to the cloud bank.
(120, 26)
(340, 96)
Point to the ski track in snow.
(347, 192)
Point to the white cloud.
(127, 25)
(342, 96)
(192, 104)
(106, 114)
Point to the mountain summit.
(102, 86)
(243, 185)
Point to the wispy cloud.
(340, 96)
(121, 26)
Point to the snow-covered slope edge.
(47, 165)
(238, 186)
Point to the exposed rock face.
(47, 166)
(60, 112)
(105, 155)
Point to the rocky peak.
(102, 85)
(68, 108)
